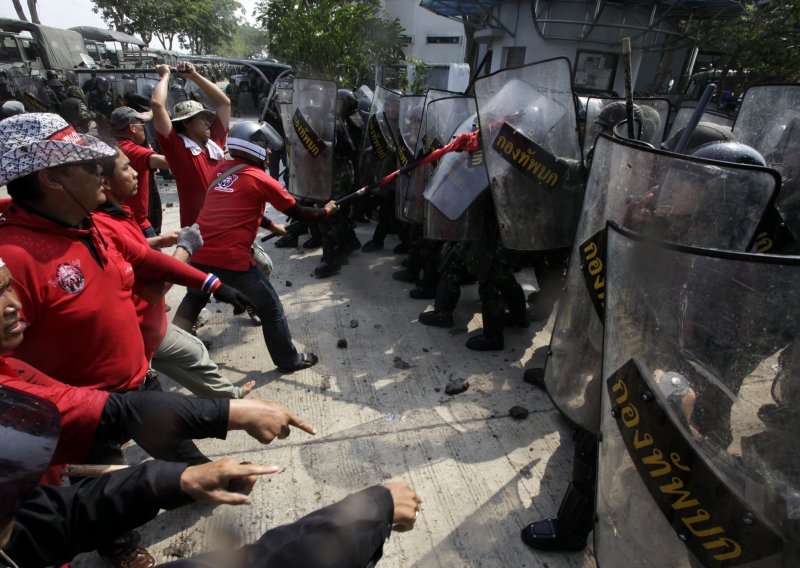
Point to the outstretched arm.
(158, 102)
(221, 101)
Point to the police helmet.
(705, 133)
(614, 113)
(346, 102)
(734, 152)
(51, 74)
(102, 81)
(250, 140)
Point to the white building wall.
(420, 23)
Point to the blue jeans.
(267, 306)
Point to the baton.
(297, 226)
(694, 120)
(626, 59)
(90, 470)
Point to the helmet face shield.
(254, 140)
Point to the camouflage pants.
(337, 230)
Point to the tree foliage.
(763, 43)
(202, 26)
(246, 42)
(341, 40)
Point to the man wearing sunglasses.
(128, 128)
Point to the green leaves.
(341, 40)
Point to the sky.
(69, 13)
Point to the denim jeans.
(253, 284)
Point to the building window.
(444, 39)
(406, 40)
(514, 56)
(594, 71)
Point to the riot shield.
(769, 121)
(459, 178)
(530, 144)
(667, 196)
(409, 203)
(412, 107)
(378, 149)
(699, 463)
(29, 429)
(685, 113)
(310, 138)
(655, 116)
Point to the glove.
(190, 238)
(232, 296)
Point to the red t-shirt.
(139, 157)
(192, 173)
(147, 293)
(232, 212)
(80, 408)
(76, 294)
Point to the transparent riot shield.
(655, 117)
(438, 124)
(310, 138)
(30, 88)
(409, 203)
(667, 196)
(685, 112)
(699, 463)
(530, 143)
(145, 87)
(769, 121)
(412, 108)
(379, 147)
(452, 207)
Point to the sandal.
(306, 360)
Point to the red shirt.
(147, 293)
(192, 173)
(80, 409)
(140, 161)
(76, 295)
(232, 212)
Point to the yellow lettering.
(735, 549)
(595, 267)
(622, 388)
(656, 458)
(643, 442)
(676, 488)
(630, 415)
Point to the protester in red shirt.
(193, 140)
(229, 222)
(74, 284)
(184, 357)
(128, 127)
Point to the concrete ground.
(381, 412)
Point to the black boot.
(436, 318)
(405, 276)
(313, 242)
(485, 343)
(327, 268)
(288, 240)
(569, 531)
(518, 319)
(372, 246)
(422, 293)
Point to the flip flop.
(306, 360)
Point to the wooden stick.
(90, 470)
(626, 60)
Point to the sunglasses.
(89, 166)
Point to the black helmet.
(734, 152)
(51, 74)
(100, 81)
(252, 139)
(346, 102)
(614, 113)
(705, 133)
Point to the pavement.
(381, 412)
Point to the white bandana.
(214, 151)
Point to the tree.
(208, 24)
(761, 44)
(341, 40)
(246, 42)
(32, 8)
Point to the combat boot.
(569, 531)
(327, 268)
(486, 343)
(436, 318)
(422, 293)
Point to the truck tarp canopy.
(61, 49)
(98, 34)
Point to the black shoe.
(544, 535)
(420, 293)
(402, 248)
(286, 241)
(325, 269)
(353, 245)
(405, 276)
(436, 319)
(313, 242)
(518, 319)
(372, 246)
(485, 343)
(306, 360)
(535, 376)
